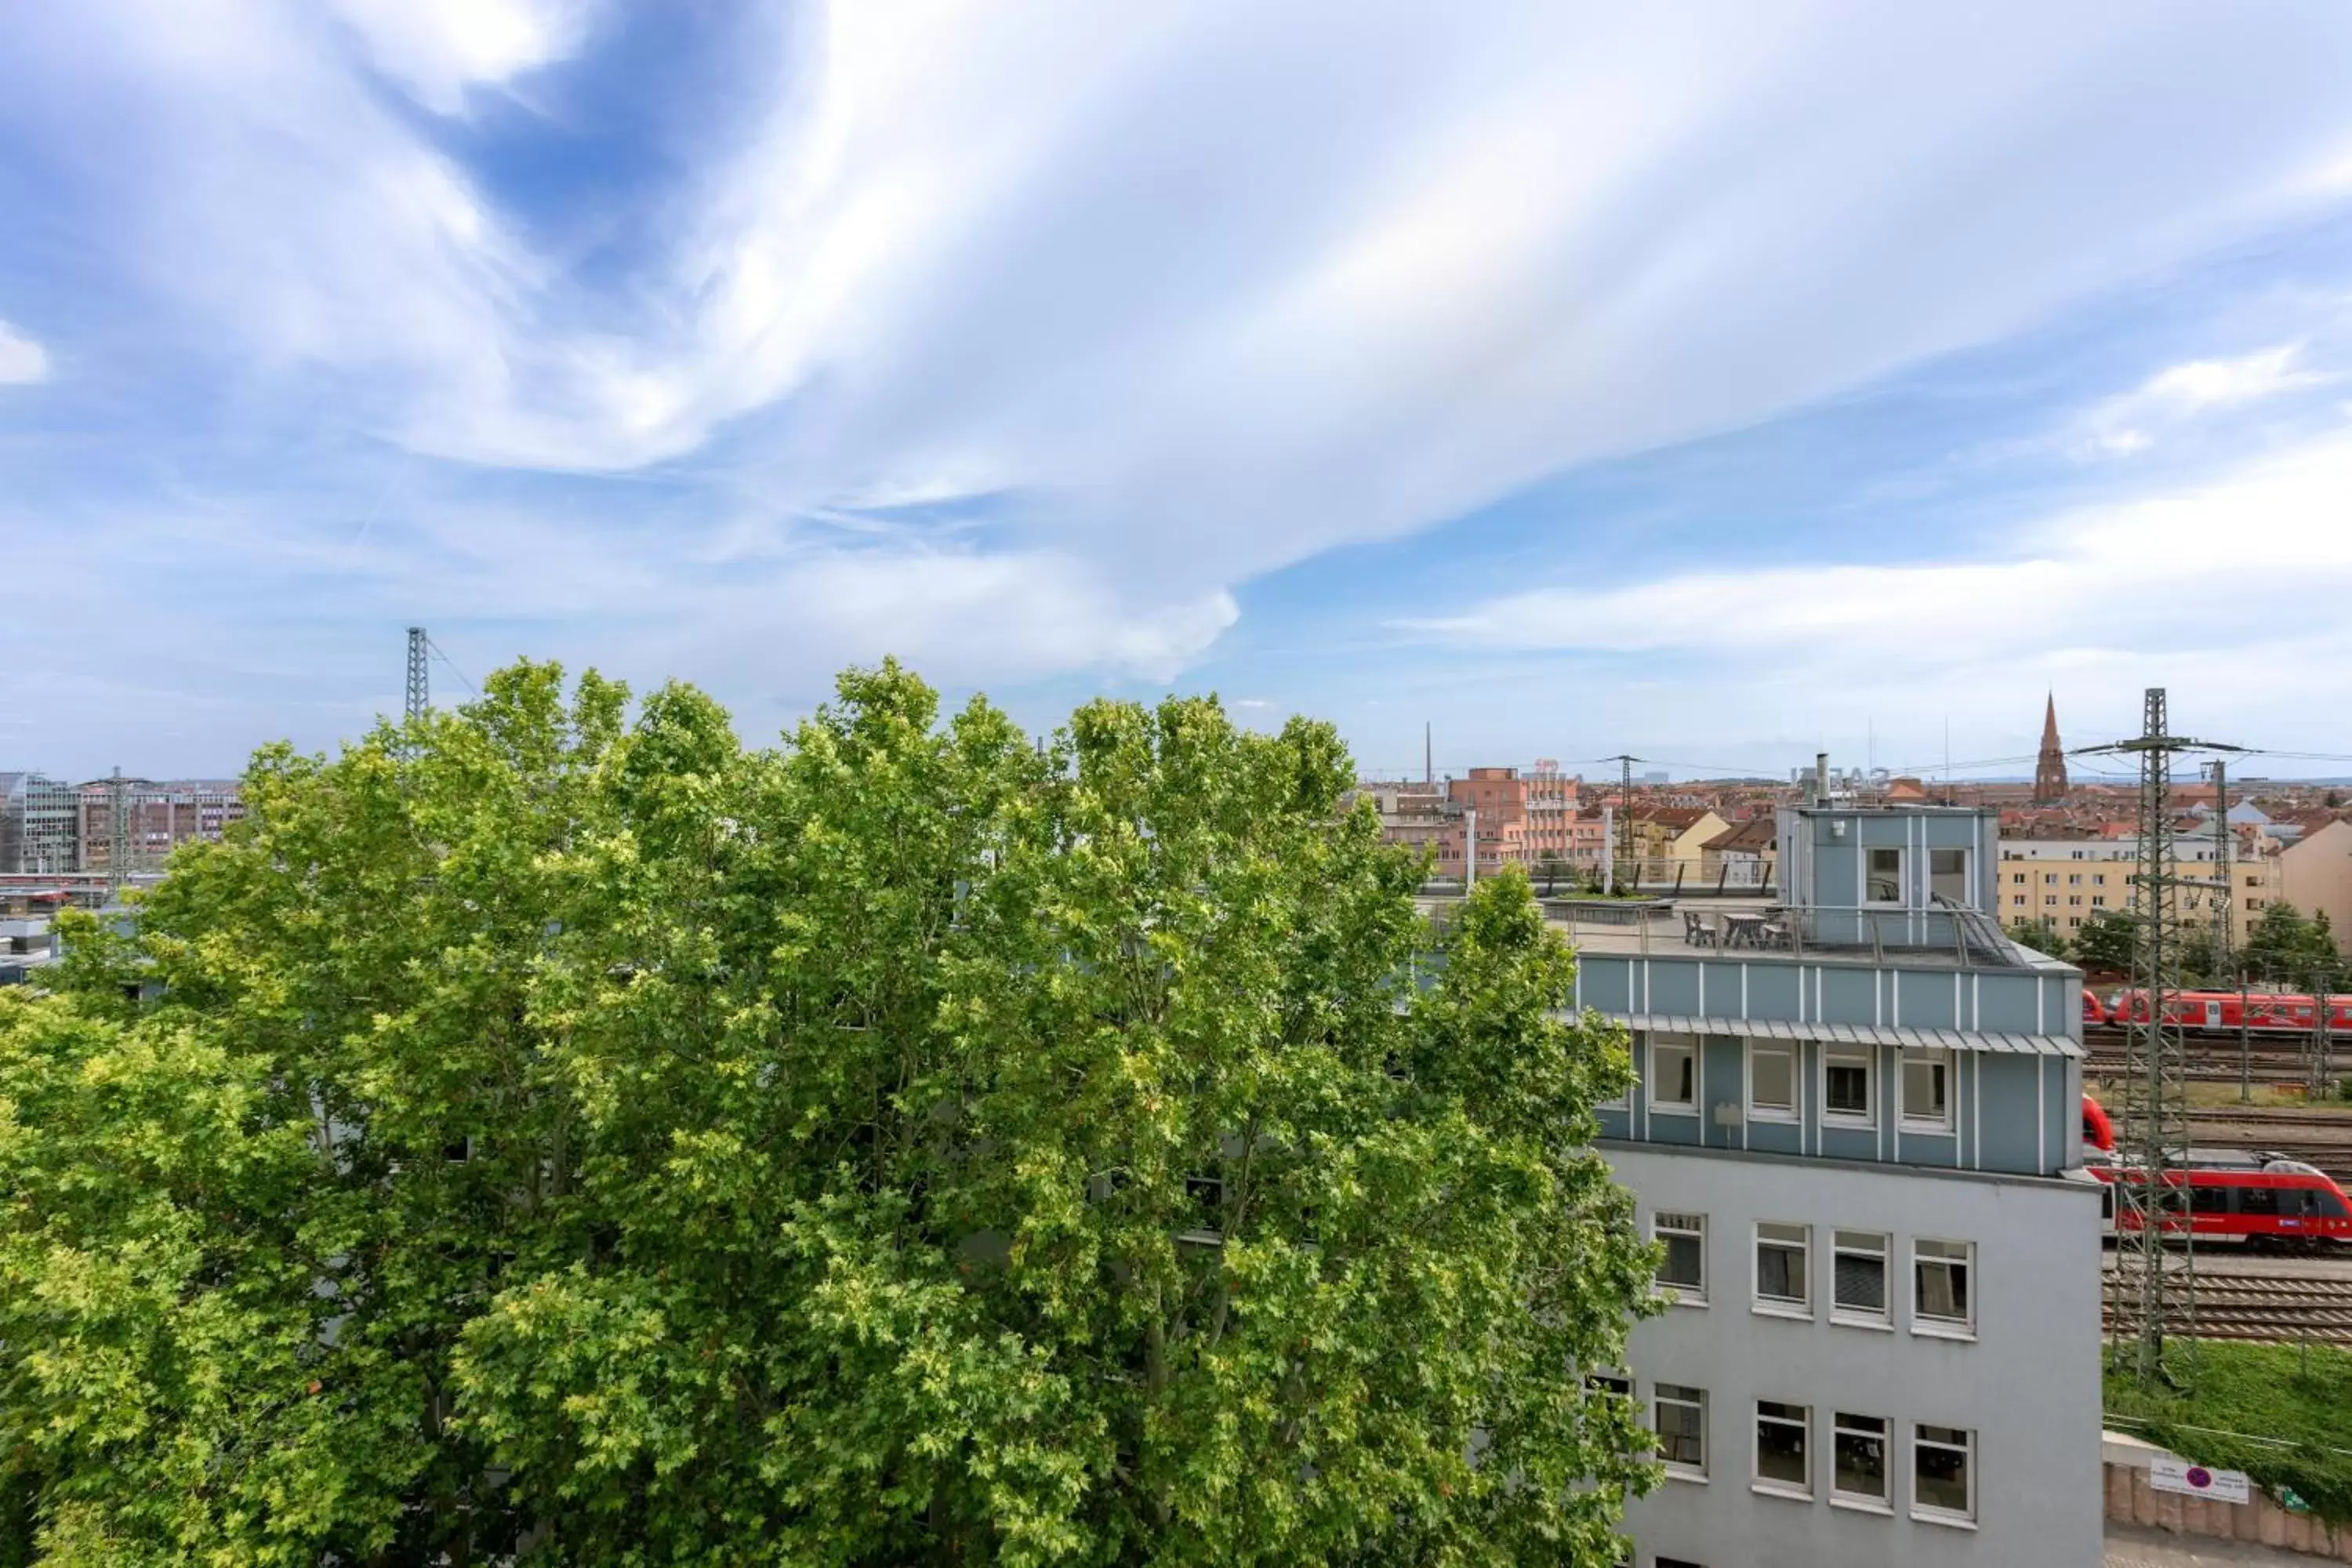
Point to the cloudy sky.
(1714, 381)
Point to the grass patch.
(2242, 1393)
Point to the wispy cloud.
(22, 362)
(1127, 316)
(438, 49)
(2132, 576)
(2127, 423)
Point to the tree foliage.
(2286, 946)
(2042, 936)
(550, 1134)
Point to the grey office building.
(1857, 1131)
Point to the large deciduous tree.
(543, 1133)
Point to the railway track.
(2272, 1308)
(2215, 1058)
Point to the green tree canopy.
(545, 1132)
(2042, 936)
(2284, 946)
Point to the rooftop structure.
(1856, 1132)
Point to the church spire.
(2050, 768)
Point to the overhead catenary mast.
(2152, 1296)
(420, 684)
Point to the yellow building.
(2066, 881)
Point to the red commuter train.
(2218, 1012)
(2262, 1200)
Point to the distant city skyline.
(1580, 379)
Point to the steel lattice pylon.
(118, 837)
(2152, 1295)
(420, 689)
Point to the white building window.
(1781, 1271)
(1782, 1443)
(1845, 1085)
(1943, 1474)
(1927, 1088)
(1948, 877)
(1683, 1268)
(1858, 1278)
(1882, 876)
(1942, 1302)
(1858, 1459)
(1679, 1414)
(1771, 1081)
(1674, 1073)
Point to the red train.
(2263, 1200)
(2258, 1198)
(2217, 1012)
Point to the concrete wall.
(2130, 1499)
(2027, 1384)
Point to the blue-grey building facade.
(1857, 1130)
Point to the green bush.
(2241, 1401)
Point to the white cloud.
(1211, 290)
(439, 48)
(2120, 425)
(22, 362)
(2145, 577)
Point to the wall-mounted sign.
(2170, 1474)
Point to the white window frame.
(1864, 1243)
(1787, 1049)
(1967, 1448)
(1685, 1223)
(1936, 1325)
(1867, 1056)
(1844, 1423)
(1932, 1057)
(1803, 1423)
(1802, 1240)
(1902, 881)
(1659, 1041)
(1681, 1397)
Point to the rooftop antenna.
(1428, 755)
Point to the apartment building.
(38, 825)
(160, 816)
(2066, 880)
(2315, 876)
(1856, 1132)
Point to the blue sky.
(1718, 382)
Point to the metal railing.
(1970, 937)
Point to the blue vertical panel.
(1727, 1083)
(1673, 984)
(2006, 1003)
(2010, 1106)
(1928, 998)
(1771, 990)
(1608, 983)
(1840, 1141)
(1676, 1129)
(1848, 995)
